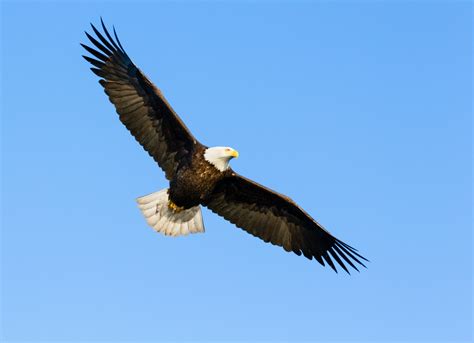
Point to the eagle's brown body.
(194, 181)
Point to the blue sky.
(360, 111)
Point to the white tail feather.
(162, 219)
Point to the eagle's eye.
(227, 149)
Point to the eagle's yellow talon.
(175, 208)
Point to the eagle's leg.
(175, 208)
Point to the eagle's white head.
(219, 156)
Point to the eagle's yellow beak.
(234, 153)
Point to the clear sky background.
(359, 111)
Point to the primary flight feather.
(200, 175)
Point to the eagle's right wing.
(275, 218)
(140, 105)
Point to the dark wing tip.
(338, 260)
(353, 250)
(111, 40)
(117, 39)
(348, 254)
(327, 258)
(104, 49)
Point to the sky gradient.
(360, 112)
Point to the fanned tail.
(169, 222)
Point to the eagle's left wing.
(275, 218)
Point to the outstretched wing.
(140, 105)
(275, 218)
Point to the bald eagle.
(200, 175)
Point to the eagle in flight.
(200, 175)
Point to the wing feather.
(277, 219)
(140, 105)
